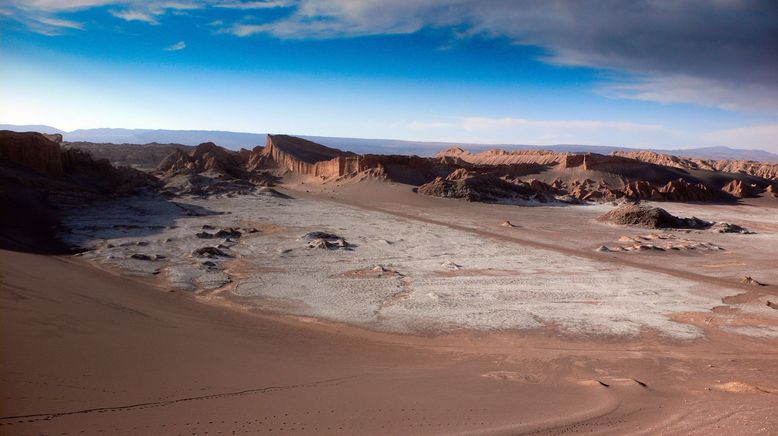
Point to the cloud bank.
(720, 53)
(715, 53)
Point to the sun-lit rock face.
(681, 190)
(474, 186)
(502, 157)
(205, 157)
(767, 171)
(739, 189)
(535, 174)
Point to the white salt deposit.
(447, 279)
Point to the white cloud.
(58, 5)
(161, 7)
(135, 15)
(706, 92)
(247, 29)
(180, 45)
(56, 22)
(50, 26)
(764, 137)
(269, 4)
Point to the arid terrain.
(298, 288)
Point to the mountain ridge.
(237, 140)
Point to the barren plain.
(222, 299)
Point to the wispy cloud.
(725, 94)
(180, 45)
(135, 15)
(49, 25)
(58, 5)
(269, 4)
(56, 22)
(161, 7)
(246, 29)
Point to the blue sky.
(679, 74)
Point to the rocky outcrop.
(209, 169)
(205, 157)
(31, 150)
(489, 175)
(651, 217)
(33, 156)
(141, 156)
(37, 177)
(301, 156)
(641, 190)
(680, 190)
(502, 157)
(766, 171)
(53, 137)
(474, 186)
(102, 177)
(739, 189)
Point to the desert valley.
(388, 217)
(301, 288)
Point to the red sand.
(85, 350)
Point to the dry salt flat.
(394, 274)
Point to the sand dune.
(98, 353)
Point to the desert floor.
(437, 320)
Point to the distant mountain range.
(236, 140)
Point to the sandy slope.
(93, 351)
(85, 350)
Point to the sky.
(651, 73)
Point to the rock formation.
(650, 217)
(210, 169)
(34, 156)
(455, 173)
(325, 240)
(759, 169)
(37, 177)
(31, 150)
(502, 157)
(738, 189)
(681, 190)
(141, 156)
(301, 156)
(474, 186)
(748, 280)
